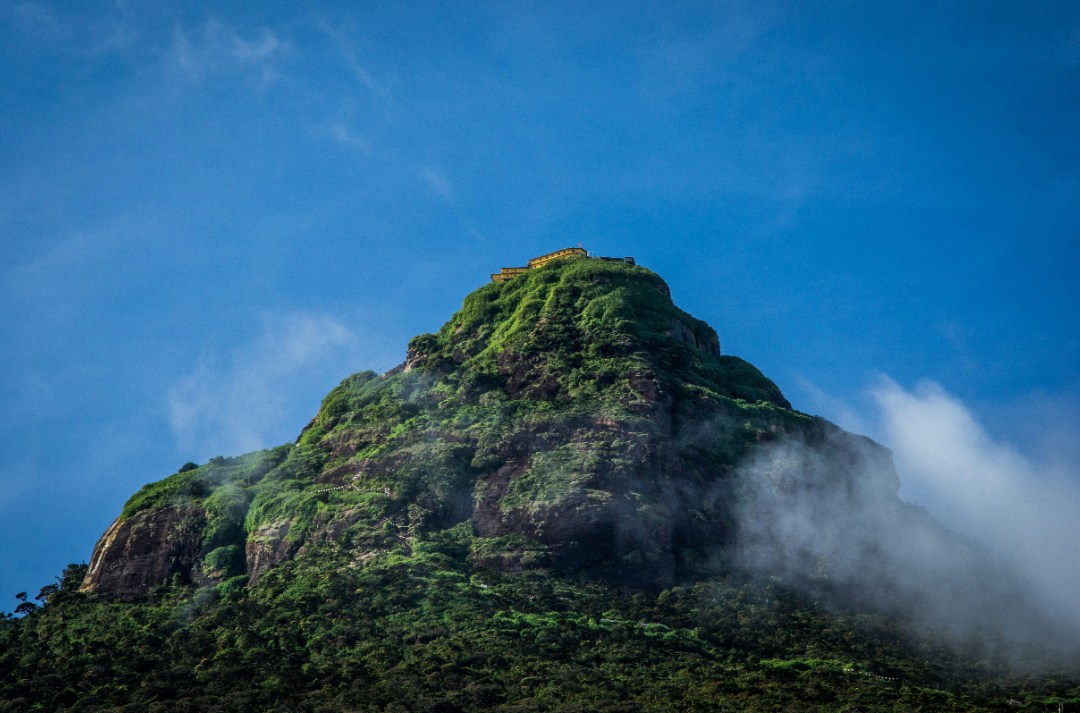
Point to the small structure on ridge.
(507, 273)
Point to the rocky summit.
(566, 499)
(573, 417)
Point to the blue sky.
(211, 214)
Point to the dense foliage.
(427, 631)
(535, 512)
(611, 406)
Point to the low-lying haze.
(991, 561)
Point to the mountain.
(566, 499)
(574, 416)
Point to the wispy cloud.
(249, 397)
(86, 34)
(341, 133)
(216, 48)
(68, 270)
(351, 56)
(440, 186)
(437, 182)
(53, 266)
(1024, 508)
(839, 412)
(991, 560)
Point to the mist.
(992, 567)
(1023, 510)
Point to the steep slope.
(574, 416)
(565, 500)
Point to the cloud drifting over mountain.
(241, 401)
(989, 563)
(1024, 509)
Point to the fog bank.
(996, 564)
(1026, 512)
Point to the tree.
(47, 592)
(72, 576)
(25, 607)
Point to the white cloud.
(351, 56)
(994, 565)
(441, 187)
(258, 394)
(342, 134)
(836, 409)
(219, 49)
(88, 34)
(1023, 508)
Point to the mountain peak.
(560, 327)
(572, 417)
(568, 432)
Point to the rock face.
(572, 418)
(709, 343)
(267, 546)
(145, 550)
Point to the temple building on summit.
(507, 273)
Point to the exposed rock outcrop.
(709, 342)
(146, 550)
(267, 546)
(574, 417)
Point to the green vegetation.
(533, 516)
(427, 631)
(589, 325)
(192, 484)
(572, 375)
